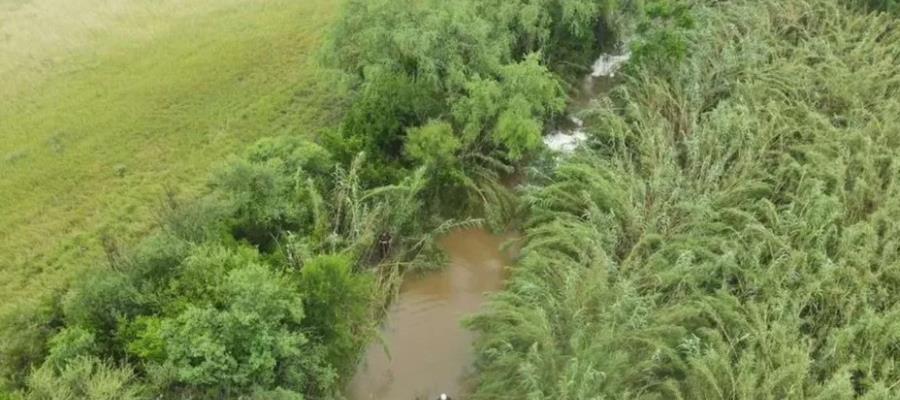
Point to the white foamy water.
(568, 139)
(608, 64)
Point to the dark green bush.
(661, 38)
(261, 199)
(337, 303)
(890, 6)
(249, 338)
(25, 330)
(97, 304)
(484, 62)
(68, 344)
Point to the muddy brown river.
(430, 352)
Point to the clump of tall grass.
(732, 231)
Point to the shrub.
(296, 153)
(337, 302)
(433, 144)
(662, 34)
(70, 343)
(481, 60)
(26, 327)
(250, 339)
(260, 197)
(143, 339)
(85, 378)
(97, 304)
(890, 6)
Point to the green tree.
(251, 339)
(337, 303)
(434, 145)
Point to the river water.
(570, 132)
(430, 352)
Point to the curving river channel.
(430, 352)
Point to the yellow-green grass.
(105, 105)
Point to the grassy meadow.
(107, 105)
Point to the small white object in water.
(444, 397)
(608, 64)
(564, 142)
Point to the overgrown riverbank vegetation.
(731, 232)
(728, 232)
(269, 283)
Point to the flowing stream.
(570, 133)
(428, 351)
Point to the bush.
(662, 34)
(153, 262)
(260, 198)
(98, 303)
(85, 378)
(249, 338)
(68, 344)
(337, 303)
(25, 328)
(296, 155)
(266, 193)
(890, 6)
(481, 60)
(433, 144)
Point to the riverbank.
(423, 349)
(730, 230)
(268, 283)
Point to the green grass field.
(106, 105)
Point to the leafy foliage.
(256, 290)
(662, 34)
(337, 301)
(730, 234)
(251, 339)
(84, 378)
(484, 61)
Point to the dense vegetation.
(728, 232)
(463, 87)
(731, 233)
(268, 285)
(251, 290)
